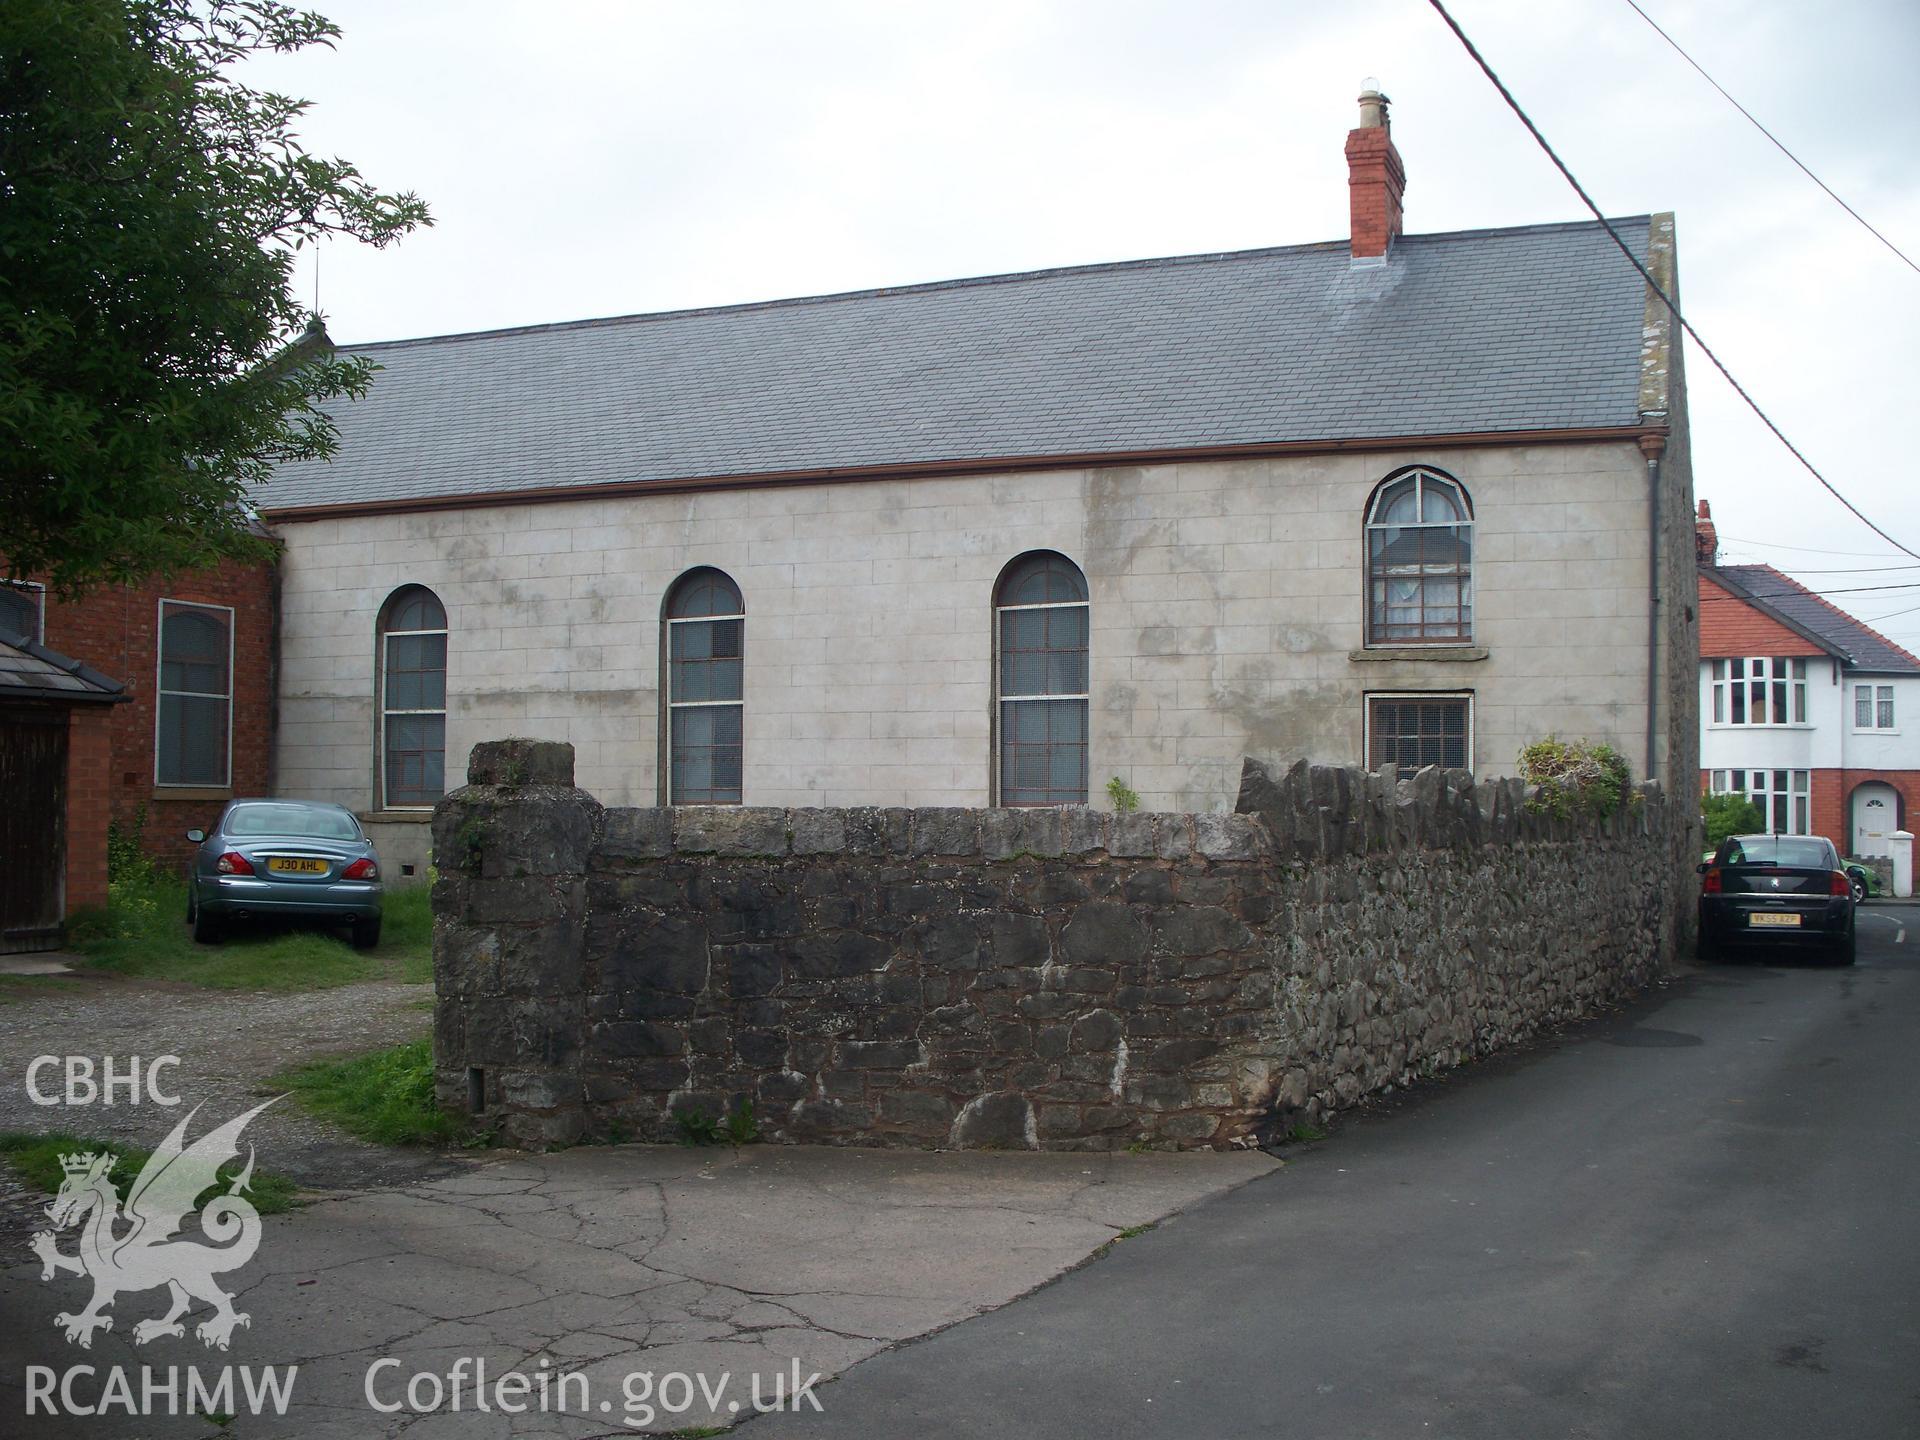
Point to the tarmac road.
(1700, 1218)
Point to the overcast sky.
(590, 159)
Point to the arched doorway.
(1876, 815)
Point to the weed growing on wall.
(1125, 798)
(472, 843)
(1577, 777)
(137, 893)
(737, 1127)
(127, 860)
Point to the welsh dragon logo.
(142, 1255)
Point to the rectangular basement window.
(1412, 730)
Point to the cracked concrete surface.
(613, 1262)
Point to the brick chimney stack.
(1376, 180)
(1706, 540)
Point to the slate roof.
(1786, 599)
(29, 671)
(1534, 328)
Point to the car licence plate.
(294, 865)
(1772, 918)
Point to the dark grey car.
(300, 859)
(1777, 891)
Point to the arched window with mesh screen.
(1041, 619)
(705, 647)
(1419, 561)
(413, 699)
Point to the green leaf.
(155, 364)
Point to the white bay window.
(1760, 690)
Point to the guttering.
(1662, 395)
(1653, 447)
(927, 469)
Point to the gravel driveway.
(228, 1043)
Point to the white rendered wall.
(1828, 741)
(1895, 749)
(1226, 597)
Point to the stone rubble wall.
(1059, 979)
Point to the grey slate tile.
(1869, 649)
(1529, 328)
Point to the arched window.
(706, 624)
(20, 610)
(1419, 561)
(1041, 621)
(413, 699)
(193, 724)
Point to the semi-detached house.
(1394, 500)
(1810, 713)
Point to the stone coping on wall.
(1307, 812)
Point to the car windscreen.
(1798, 853)
(291, 820)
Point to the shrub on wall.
(1577, 777)
(127, 858)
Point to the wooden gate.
(33, 827)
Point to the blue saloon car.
(298, 859)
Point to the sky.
(591, 159)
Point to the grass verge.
(28, 987)
(143, 932)
(385, 1096)
(36, 1159)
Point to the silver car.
(294, 858)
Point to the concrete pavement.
(613, 1262)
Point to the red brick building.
(195, 654)
(56, 728)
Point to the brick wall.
(1376, 181)
(1833, 800)
(1829, 804)
(89, 798)
(115, 630)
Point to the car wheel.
(1843, 951)
(366, 933)
(1706, 949)
(1857, 883)
(208, 928)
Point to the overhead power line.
(1848, 570)
(1891, 615)
(1774, 138)
(1790, 594)
(1802, 549)
(1672, 307)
